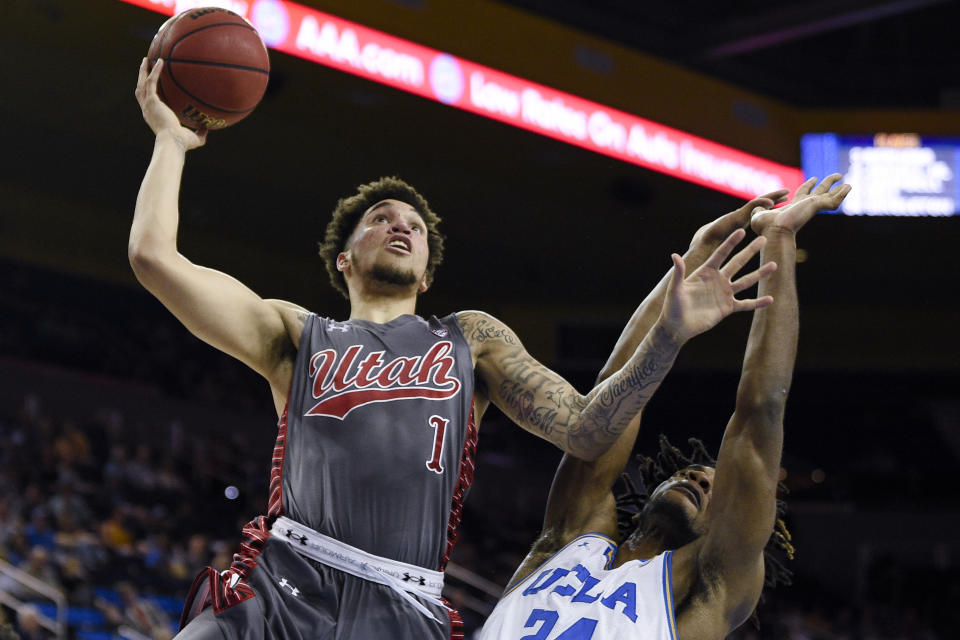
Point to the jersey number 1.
(435, 463)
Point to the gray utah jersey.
(376, 446)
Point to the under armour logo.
(293, 536)
(442, 332)
(293, 590)
(418, 579)
(336, 326)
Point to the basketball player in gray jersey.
(379, 413)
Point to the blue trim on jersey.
(668, 593)
(610, 553)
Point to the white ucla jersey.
(575, 595)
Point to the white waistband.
(401, 577)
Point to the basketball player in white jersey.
(693, 568)
(378, 412)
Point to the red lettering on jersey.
(340, 381)
(399, 370)
(437, 359)
(319, 371)
(427, 376)
(372, 361)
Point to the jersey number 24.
(582, 629)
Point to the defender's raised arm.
(744, 492)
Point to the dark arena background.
(131, 453)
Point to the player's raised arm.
(580, 498)
(704, 242)
(743, 505)
(542, 402)
(213, 306)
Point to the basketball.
(215, 67)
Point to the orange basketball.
(215, 67)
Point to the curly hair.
(668, 460)
(349, 210)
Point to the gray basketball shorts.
(285, 596)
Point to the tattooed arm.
(585, 426)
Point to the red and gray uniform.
(376, 450)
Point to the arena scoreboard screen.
(892, 174)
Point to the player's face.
(389, 245)
(681, 502)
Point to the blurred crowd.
(119, 525)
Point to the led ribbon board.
(892, 174)
(325, 39)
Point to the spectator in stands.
(40, 532)
(67, 505)
(140, 470)
(28, 624)
(10, 522)
(33, 502)
(115, 534)
(38, 565)
(7, 632)
(142, 615)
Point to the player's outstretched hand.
(804, 205)
(697, 302)
(709, 236)
(158, 115)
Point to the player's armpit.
(720, 607)
(294, 318)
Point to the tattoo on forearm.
(543, 402)
(556, 397)
(524, 382)
(538, 400)
(622, 397)
(522, 402)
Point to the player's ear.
(343, 260)
(424, 285)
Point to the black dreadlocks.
(656, 469)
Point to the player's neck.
(381, 309)
(639, 547)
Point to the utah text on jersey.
(339, 387)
